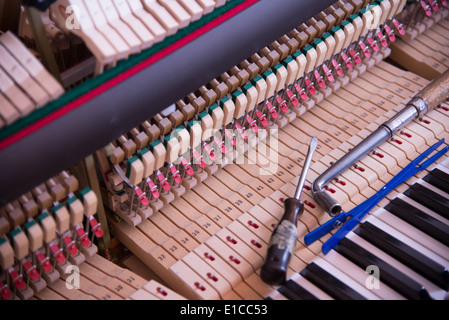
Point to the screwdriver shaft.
(302, 178)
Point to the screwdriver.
(283, 239)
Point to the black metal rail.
(62, 143)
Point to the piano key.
(360, 275)
(329, 283)
(310, 287)
(430, 198)
(390, 275)
(406, 229)
(381, 235)
(294, 291)
(275, 295)
(439, 179)
(419, 219)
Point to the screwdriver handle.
(282, 243)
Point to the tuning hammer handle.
(435, 92)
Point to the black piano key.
(419, 219)
(329, 284)
(390, 275)
(439, 179)
(422, 264)
(294, 291)
(429, 198)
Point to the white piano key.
(406, 229)
(424, 209)
(408, 241)
(433, 188)
(358, 274)
(306, 284)
(345, 279)
(276, 295)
